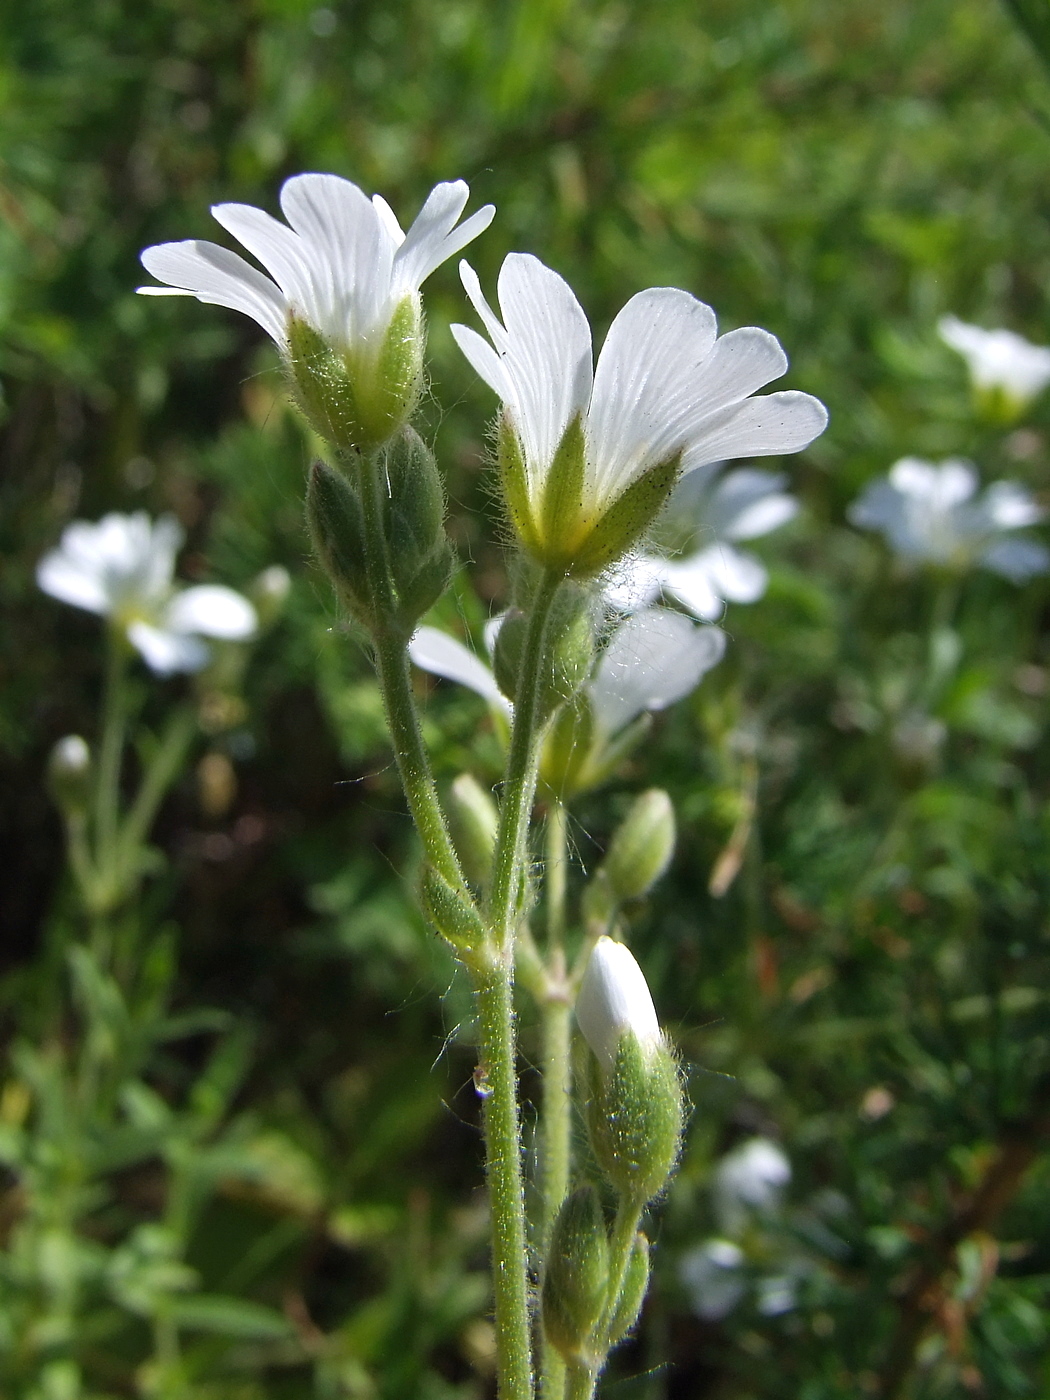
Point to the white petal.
(158, 568)
(442, 655)
(213, 611)
(614, 999)
(634, 583)
(351, 244)
(939, 487)
(220, 278)
(1017, 559)
(690, 583)
(645, 385)
(388, 219)
(167, 652)
(281, 252)
(880, 506)
(748, 503)
(434, 238)
(999, 359)
(545, 347)
(1010, 507)
(718, 572)
(67, 580)
(485, 362)
(767, 426)
(652, 660)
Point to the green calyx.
(634, 1118)
(559, 527)
(357, 398)
(632, 1294)
(335, 519)
(452, 912)
(642, 846)
(418, 557)
(576, 1276)
(571, 634)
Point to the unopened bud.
(571, 649)
(577, 1273)
(642, 846)
(336, 524)
(475, 820)
(632, 1295)
(421, 559)
(69, 774)
(451, 911)
(635, 1109)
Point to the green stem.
(519, 787)
(582, 1381)
(395, 684)
(556, 872)
(495, 993)
(163, 769)
(621, 1246)
(556, 1122)
(114, 723)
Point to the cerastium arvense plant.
(587, 457)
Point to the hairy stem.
(495, 997)
(395, 684)
(556, 1120)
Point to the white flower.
(927, 513)
(341, 264)
(121, 567)
(714, 1278)
(667, 397)
(999, 360)
(651, 660)
(752, 1176)
(342, 301)
(742, 505)
(614, 1000)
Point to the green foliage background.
(840, 174)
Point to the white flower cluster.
(122, 568)
(929, 514)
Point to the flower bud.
(336, 524)
(642, 846)
(632, 1295)
(421, 559)
(567, 747)
(69, 774)
(634, 1109)
(571, 649)
(576, 1274)
(451, 911)
(357, 397)
(475, 819)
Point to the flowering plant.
(587, 458)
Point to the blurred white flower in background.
(1000, 362)
(750, 1178)
(720, 510)
(652, 660)
(122, 568)
(749, 1185)
(342, 266)
(928, 514)
(714, 1278)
